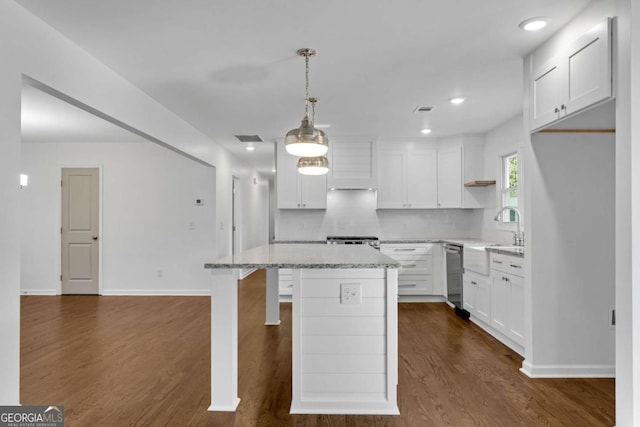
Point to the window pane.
(513, 170)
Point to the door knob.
(94, 237)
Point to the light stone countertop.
(311, 255)
(506, 250)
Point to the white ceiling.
(229, 67)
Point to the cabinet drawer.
(508, 264)
(415, 285)
(393, 250)
(420, 266)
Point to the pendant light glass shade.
(313, 165)
(307, 141)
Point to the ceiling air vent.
(421, 109)
(249, 138)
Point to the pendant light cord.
(306, 76)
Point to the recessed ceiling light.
(457, 100)
(425, 131)
(534, 24)
(250, 147)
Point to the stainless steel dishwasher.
(454, 278)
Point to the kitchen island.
(345, 326)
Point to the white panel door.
(391, 181)
(422, 179)
(589, 69)
(313, 191)
(450, 177)
(287, 189)
(548, 92)
(80, 217)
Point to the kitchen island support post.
(224, 341)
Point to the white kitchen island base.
(345, 341)
(345, 327)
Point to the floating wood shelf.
(479, 183)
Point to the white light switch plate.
(350, 293)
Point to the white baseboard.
(39, 292)
(156, 292)
(499, 336)
(568, 371)
(421, 298)
(245, 272)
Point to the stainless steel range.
(374, 242)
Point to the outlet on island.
(350, 293)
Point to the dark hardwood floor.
(127, 361)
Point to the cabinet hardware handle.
(298, 204)
(407, 285)
(515, 266)
(304, 205)
(556, 110)
(506, 279)
(563, 107)
(473, 283)
(497, 262)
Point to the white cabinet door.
(483, 299)
(422, 179)
(500, 302)
(589, 69)
(288, 192)
(313, 191)
(547, 92)
(450, 177)
(391, 181)
(516, 309)
(469, 294)
(296, 191)
(576, 78)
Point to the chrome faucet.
(518, 236)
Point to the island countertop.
(306, 256)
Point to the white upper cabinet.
(352, 164)
(427, 175)
(450, 177)
(407, 177)
(576, 78)
(296, 191)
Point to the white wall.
(504, 139)
(32, 48)
(627, 197)
(569, 211)
(353, 212)
(149, 218)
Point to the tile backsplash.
(353, 212)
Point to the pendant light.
(318, 165)
(306, 141)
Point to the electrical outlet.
(350, 293)
(160, 273)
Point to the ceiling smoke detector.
(249, 138)
(422, 109)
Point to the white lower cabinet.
(477, 296)
(415, 275)
(507, 297)
(285, 281)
